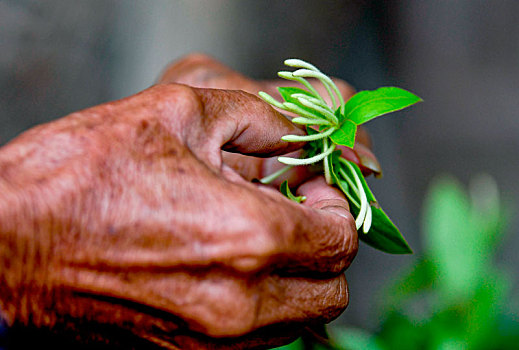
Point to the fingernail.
(370, 163)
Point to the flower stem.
(326, 164)
(368, 220)
(310, 121)
(306, 161)
(305, 138)
(269, 99)
(324, 111)
(269, 178)
(363, 199)
(303, 81)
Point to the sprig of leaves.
(329, 126)
(287, 193)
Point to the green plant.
(329, 126)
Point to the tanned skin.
(135, 223)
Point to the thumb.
(236, 121)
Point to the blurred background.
(461, 57)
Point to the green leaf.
(383, 234)
(345, 135)
(418, 278)
(312, 148)
(449, 237)
(354, 339)
(296, 345)
(492, 298)
(287, 193)
(460, 235)
(400, 332)
(311, 131)
(366, 105)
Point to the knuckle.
(261, 246)
(231, 313)
(338, 299)
(197, 58)
(253, 233)
(198, 70)
(334, 300)
(258, 253)
(185, 69)
(176, 101)
(167, 96)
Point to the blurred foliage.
(454, 296)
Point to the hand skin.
(135, 223)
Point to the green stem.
(269, 99)
(303, 81)
(325, 112)
(325, 80)
(310, 121)
(299, 63)
(305, 138)
(269, 178)
(326, 165)
(363, 199)
(353, 200)
(350, 183)
(292, 107)
(306, 161)
(368, 220)
(314, 100)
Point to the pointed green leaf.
(354, 339)
(366, 105)
(287, 193)
(383, 234)
(345, 135)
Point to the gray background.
(462, 57)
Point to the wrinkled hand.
(137, 215)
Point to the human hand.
(203, 71)
(127, 216)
